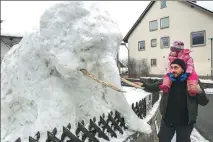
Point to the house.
(7, 41)
(161, 23)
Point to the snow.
(209, 90)
(133, 94)
(11, 34)
(153, 110)
(120, 137)
(195, 137)
(41, 83)
(151, 77)
(206, 81)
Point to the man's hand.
(184, 77)
(171, 76)
(196, 88)
(139, 83)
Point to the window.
(141, 45)
(164, 22)
(153, 62)
(163, 4)
(153, 25)
(164, 42)
(153, 42)
(198, 38)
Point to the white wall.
(183, 20)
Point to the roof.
(149, 7)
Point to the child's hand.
(184, 77)
(196, 88)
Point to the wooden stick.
(85, 72)
(130, 83)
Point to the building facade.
(161, 23)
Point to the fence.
(107, 125)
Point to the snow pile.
(209, 90)
(134, 95)
(151, 78)
(195, 137)
(206, 81)
(41, 83)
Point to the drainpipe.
(211, 58)
(123, 43)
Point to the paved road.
(205, 120)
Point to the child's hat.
(177, 46)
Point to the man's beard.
(176, 75)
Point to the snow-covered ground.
(206, 81)
(195, 137)
(209, 90)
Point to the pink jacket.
(184, 55)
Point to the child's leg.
(192, 79)
(166, 84)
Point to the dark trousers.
(167, 132)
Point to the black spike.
(106, 126)
(52, 138)
(18, 140)
(36, 139)
(87, 133)
(94, 119)
(101, 134)
(70, 135)
(116, 127)
(82, 122)
(54, 131)
(69, 126)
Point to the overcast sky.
(22, 16)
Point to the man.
(178, 109)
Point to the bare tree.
(144, 68)
(124, 62)
(132, 66)
(138, 68)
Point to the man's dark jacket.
(192, 101)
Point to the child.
(178, 51)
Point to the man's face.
(176, 70)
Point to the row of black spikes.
(107, 125)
